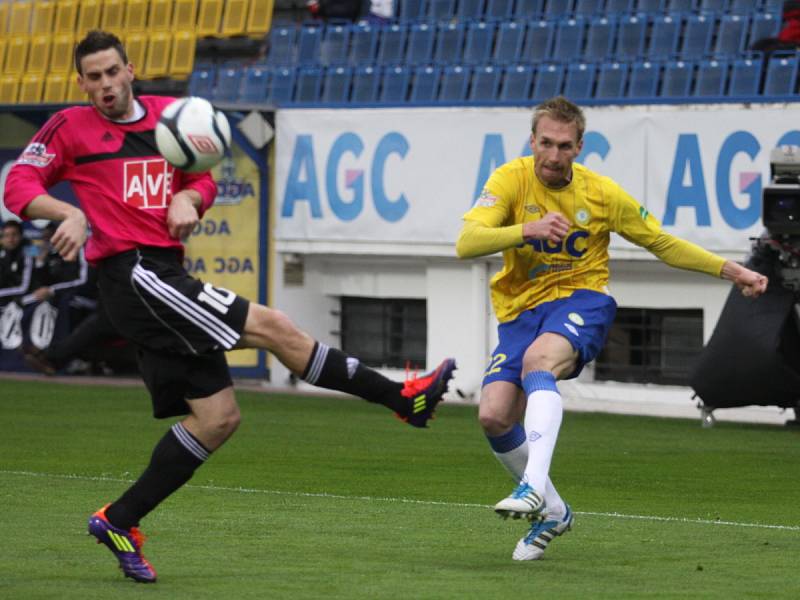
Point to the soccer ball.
(192, 135)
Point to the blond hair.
(560, 109)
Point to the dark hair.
(560, 109)
(12, 223)
(97, 41)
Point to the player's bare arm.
(751, 284)
(552, 227)
(183, 215)
(71, 233)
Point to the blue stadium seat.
(498, 10)
(745, 77)
(392, 43)
(485, 84)
(528, 9)
(588, 8)
(600, 37)
(255, 82)
(227, 86)
(425, 84)
(579, 81)
(742, 7)
(731, 36)
(664, 36)
(363, 43)
(441, 10)
(336, 86)
(611, 80)
(538, 42)
(281, 45)
(713, 6)
(469, 10)
(308, 87)
(280, 90)
(630, 37)
(309, 41)
(773, 6)
(649, 7)
(508, 45)
(478, 42)
(202, 80)
(547, 82)
(558, 9)
(449, 43)
(643, 80)
(711, 79)
(335, 44)
(781, 75)
(516, 85)
(366, 80)
(697, 31)
(394, 85)
(676, 81)
(684, 6)
(619, 7)
(568, 44)
(421, 37)
(410, 10)
(455, 80)
(763, 25)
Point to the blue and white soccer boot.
(524, 501)
(533, 545)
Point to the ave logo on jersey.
(35, 155)
(148, 183)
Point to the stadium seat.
(184, 15)
(478, 42)
(363, 43)
(649, 7)
(516, 85)
(308, 86)
(4, 10)
(630, 37)
(449, 43)
(309, 42)
(676, 81)
(421, 37)
(39, 54)
(664, 36)
(741, 7)
(75, 94)
(781, 77)
(697, 32)
(394, 85)
(547, 82)
(113, 16)
(159, 18)
(455, 81)
(711, 79)
(30, 89)
(234, 18)
(181, 60)
(681, 6)
(253, 87)
(528, 9)
(568, 44)
(61, 54)
(55, 88)
(392, 43)
(280, 90)
(19, 18)
(508, 45)
(745, 77)
(440, 10)
(643, 80)
(558, 9)
(89, 14)
(425, 84)
(136, 49)
(469, 10)
(17, 55)
(731, 36)
(3, 47)
(763, 25)
(209, 17)
(281, 45)
(410, 10)
(485, 84)
(336, 85)
(44, 12)
(9, 89)
(335, 44)
(773, 6)
(226, 88)
(259, 17)
(366, 80)
(159, 46)
(136, 16)
(600, 37)
(66, 16)
(588, 8)
(538, 42)
(202, 81)
(611, 80)
(713, 6)
(498, 10)
(619, 7)
(579, 81)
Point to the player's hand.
(182, 216)
(751, 284)
(43, 293)
(552, 227)
(70, 235)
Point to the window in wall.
(385, 332)
(648, 345)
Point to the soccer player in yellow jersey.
(552, 220)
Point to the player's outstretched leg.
(541, 533)
(126, 545)
(424, 393)
(524, 501)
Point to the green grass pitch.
(334, 498)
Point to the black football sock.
(175, 459)
(333, 369)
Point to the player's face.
(11, 238)
(107, 81)
(555, 146)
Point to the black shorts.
(181, 325)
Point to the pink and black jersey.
(123, 184)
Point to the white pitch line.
(242, 490)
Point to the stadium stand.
(558, 8)
(392, 44)
(309, 85)
(336, 85)
(588, 8)
(455, 81)
(363, 43)
(449, 43)
(508, 45)
(485, 84)
(499, 10)
(619, 7)
(365, 85)
(781, 79)
(712, 77)
(335, 45)
(255, 81)
(548, 81)
(478, 42)
(600, 37)
(643, 80)
(745, 77)
(516, 86)
(677, 79)
(469, 9)
(425, 84)
(568, 43)
(664, 37)
(611, 81)
(394, 84)
(579, 81)
(539, 38)
(631, 37)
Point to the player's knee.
(494, 422)
(273, 325)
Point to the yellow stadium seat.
(88, 16)
(9, 89)
(66, 16)
(61, 57)
(136, 48)
(184, 15)
(135, 16)
(55, 88)
(209, 17)
(113, 16)
(74, 92)
(259, 19)
(158, 49)
(234, 19)
(182, 61)
(4, 10)
(160, 18)
(39, 54)
(16, 55)
(3, 46)
(19, 21)
(44, 12)
(30, 89)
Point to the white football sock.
(542, 422)
(511, 450)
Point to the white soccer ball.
(192, 135)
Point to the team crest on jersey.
(582, 216)
(486, 199)
(36, 155)
(148, 183)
